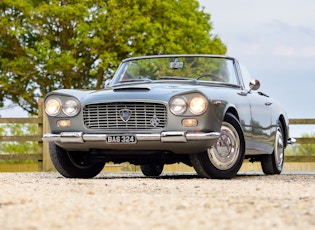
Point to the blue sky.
(276, 41)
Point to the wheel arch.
(233, 111)
(285, 128)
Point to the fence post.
(47, 164)
(40, 132)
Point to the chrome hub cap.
(225, 152)
(279, 149)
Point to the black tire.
(225, 158)
(72, 164)
(152, 170)
(273, 164)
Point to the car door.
(258, 142)
(261, 122)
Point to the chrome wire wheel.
(279, 149)
(225, 152)
(224, 159)
(273, 163)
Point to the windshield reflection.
(213, 69)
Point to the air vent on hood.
(133, 89)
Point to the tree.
(50, 44)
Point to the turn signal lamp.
(64, 123)
(189, 122)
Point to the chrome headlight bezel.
(198, 105)
(71, 107)
(53, 106)
(178, 105)
(188, 105)
(64, 106)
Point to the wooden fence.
(302, 140)
(37, 156)
(42, 155)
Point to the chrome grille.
(125, 115)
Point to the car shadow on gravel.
(168, 176)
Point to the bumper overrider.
(169, 136)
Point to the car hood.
(139, 92)
(132, 92)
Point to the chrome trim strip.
(71, 137)
(94, 137)
(202, 136)
(169, 136)
(64, 137)
(50, 137)
(173, 136)
(149, 137)
(140, 137)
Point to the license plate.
(126, 139)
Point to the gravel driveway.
(117, 201)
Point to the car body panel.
(258, 115)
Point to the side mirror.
(254, 84)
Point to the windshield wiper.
(176, 78)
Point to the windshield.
(156, 68)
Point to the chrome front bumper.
(171, 136)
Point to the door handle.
(268, 103)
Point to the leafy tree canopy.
(50, 44)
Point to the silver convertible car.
(202, 110)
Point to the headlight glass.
(178, 105)
(53, 106)
(71, 107)
(198, 105)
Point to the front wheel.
(152, 170)
(225, 158)
(273, 164)
(73, 164)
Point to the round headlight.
(53, 107)
(71, 107)
(198, 105)
(178, 105)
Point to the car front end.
(141, 120)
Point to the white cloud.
(284, 51)
(254, 48)
(294, 52)
(308, 52)
(247, 49)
